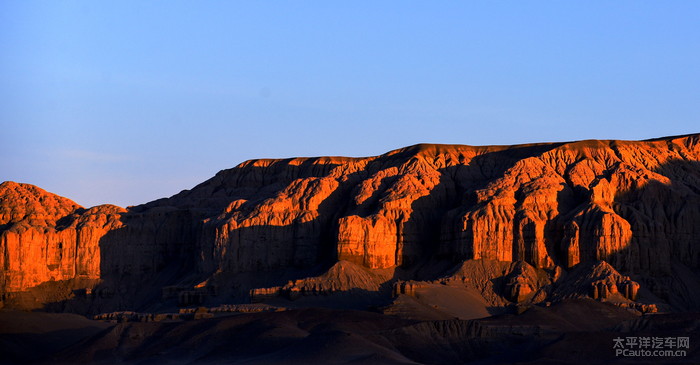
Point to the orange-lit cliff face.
(47, 238)
(633, 204)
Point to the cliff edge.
(553, 206)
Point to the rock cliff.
(633, 204)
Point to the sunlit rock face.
(635, 205)
(49, 238)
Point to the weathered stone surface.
(44, 237)
(635, 205)
(342, 277)
(521, 283)
(600, 281)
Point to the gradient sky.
(126, 102)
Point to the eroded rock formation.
(635, 205)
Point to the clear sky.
(125, 102)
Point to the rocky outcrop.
(521, 283)
(51, 242)
(44, 237)
(502, 282)
(635, 205)
(600, 281)
(342, 277)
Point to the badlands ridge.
(502, 225)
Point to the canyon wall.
(633, 204)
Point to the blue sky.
(126, 102)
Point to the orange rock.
(635, 205)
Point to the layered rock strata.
(633, 204)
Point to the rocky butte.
(502, 225)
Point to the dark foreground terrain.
(580, 331)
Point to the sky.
(126, 102)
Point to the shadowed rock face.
(635, 205)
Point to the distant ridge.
(632, 204)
